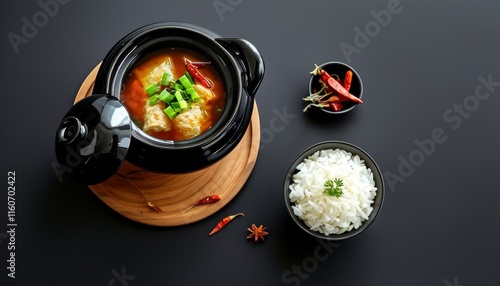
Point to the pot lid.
(93, 139)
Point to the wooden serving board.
(131, 188)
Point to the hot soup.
(174, 94)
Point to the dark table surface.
(431, 74)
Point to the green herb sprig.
(333, 188)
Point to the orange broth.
(134, 96)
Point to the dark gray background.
(438, 227)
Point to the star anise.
(257, 232)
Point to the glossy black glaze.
(93, 138)
(241, 68)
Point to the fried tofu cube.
(148, 77)
(188, 122)
(155, 119)
(205, 94)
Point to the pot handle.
(252, 60)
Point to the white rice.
(329, 214)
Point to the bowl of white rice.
(333, 190)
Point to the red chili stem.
(224, 222)
(197, 64)
(200, 64)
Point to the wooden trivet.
(131, 188)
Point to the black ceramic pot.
(240, 66)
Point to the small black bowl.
(354, 150)
(339, 69)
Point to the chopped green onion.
(164, 95)
(169, 98)
(176, 106)
(165, 79)
(179, 86)
(190, 90)
(184, 95)
(151, 89)
(183, 104)
(195, 97)
(189, 77)
(178, 95)
(185, 81)
(170, 112)
(153, 99)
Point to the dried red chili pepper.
(336, 86)
(195, 73)
(333, 102)
(348, 80)
(224, 222)
(204, 201)
(155, 207)
(150, 204)
(336, 106)
(333, 98)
